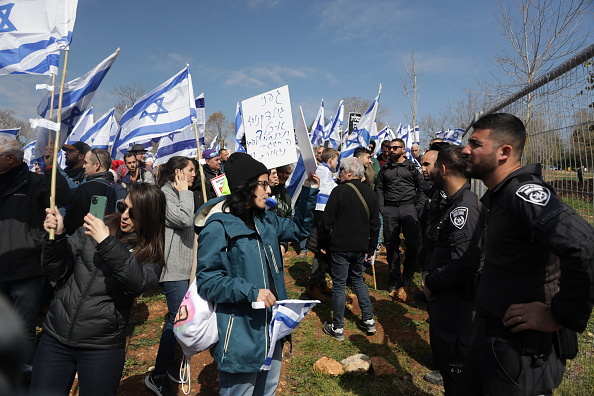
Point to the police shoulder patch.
(458, 216)
(534, 193)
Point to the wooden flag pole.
(52, 233)
(199, 155)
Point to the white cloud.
(263, 76)
(348, 20)
(263, 3)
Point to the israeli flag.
(102, 131)
(77, 96)
(317, 129)
(364, 130)
(9, 133)
(33, 33)
(295, 181)
(213, 144)
(453, 136)
(385, 134)
(239, 130)
(335, 129)
(406, 134)
(200, 117)
(164, 110)
(182, 143)
(29, 155)
(286, 315)
(85, 121)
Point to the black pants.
(498, 367)
(401, 219)
(452, 334)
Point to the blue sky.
(237, 49)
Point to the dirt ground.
(203, 369)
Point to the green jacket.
(234, 263)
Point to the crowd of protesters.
(504, 305)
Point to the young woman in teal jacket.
(239, 262)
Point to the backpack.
(114, 193)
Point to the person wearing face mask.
(174, 178)
(239, 263)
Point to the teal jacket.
(234, 264)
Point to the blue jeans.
(174, 293)
(99, 370)
(260, 383)
(25, 297)
(345, 265)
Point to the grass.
(403, 342)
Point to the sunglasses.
(395, 147)
(98, 160)
(122, 207)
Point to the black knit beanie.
(241, 167)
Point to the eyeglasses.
(264, 183)
(395, 147)
(98, 160)
(72, 151)
(122, 207)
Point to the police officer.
(400, 193)
(536, 287)
(456, 236)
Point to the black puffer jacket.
(101, 280)
(24, 196)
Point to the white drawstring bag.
(195, 328)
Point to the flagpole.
(52, 232)
(199, 154)
(51, 112)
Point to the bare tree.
(217, 125)
(9, 121)
(461, 113)
(356, 104)
(127, 95)
(535, 35)
(410, 88)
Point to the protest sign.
(268, 124)
(354, 119)
(309, 159)
(217, 184)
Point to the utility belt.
(536, 344)
(400, 203)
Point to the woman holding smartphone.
(174, 179)
(102, 267)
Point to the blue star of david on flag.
(72, 118)
(5, 24)
(155, 114)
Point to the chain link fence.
(558, 111)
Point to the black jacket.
(456, 241)
(400, 182)
(345, 225)
(101, 281)
(81, 201)
(537, 249)
(24, 195)
(197, 186)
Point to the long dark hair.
(238, 203)
(148, 202)
(167, 170)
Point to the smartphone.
(98, 206)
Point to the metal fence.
(558, 110)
